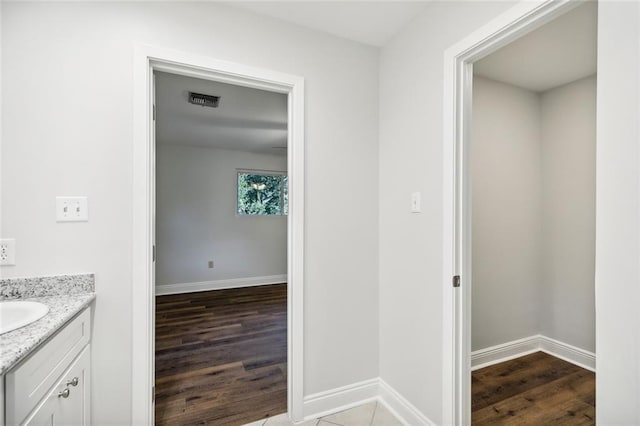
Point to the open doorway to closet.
(532, 226)
(222, 201)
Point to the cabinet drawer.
(32, 379)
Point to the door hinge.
(154, 112)
(153, 394)
(153, 255)
(456, 281)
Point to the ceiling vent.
(204, 100)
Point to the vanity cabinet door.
(45, 414)
(68, 402)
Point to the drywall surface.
(410, 264)
(533, 184)
(196, 220)
(506, 213)
(618, 214)
(76, 60)
(567, 287)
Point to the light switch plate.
(72, 209)
(7, 252)
(415, 202)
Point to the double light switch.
(72, 209)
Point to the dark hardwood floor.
(536, 389)
(221, 356)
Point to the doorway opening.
(520, 217)
(221, 251)
(532, 172)
(148, 62)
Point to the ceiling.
(246, 120)
(368, 22)
(562, 51)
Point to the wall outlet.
(72, 209)
(211, 264)
(7, 252)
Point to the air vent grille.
(204, 100)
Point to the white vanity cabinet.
(52, 386)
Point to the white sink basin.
(18, 313)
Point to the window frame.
(282, 173)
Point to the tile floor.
(370, 414)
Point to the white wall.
(1, 118)
(506, 224)
(567, 287)
(618, 214)
(410, 265)
(533, 173)
(411, 278)
(76, 60)
(196, 220)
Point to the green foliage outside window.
(263, 194)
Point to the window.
(262, 193)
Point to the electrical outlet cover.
(7, 252)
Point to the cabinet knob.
(64, 394)
(73, 382)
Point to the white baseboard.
(340, 399)
(219, 284)
(406, 412)
(334, 400)
(504, 352)
(569, 353)
(517, 348)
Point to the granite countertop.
(65, 295)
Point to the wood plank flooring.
(221, 356)
(536, 389)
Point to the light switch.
(72, 209)
(415, 202)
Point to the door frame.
(523, 18)
(146, 60)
